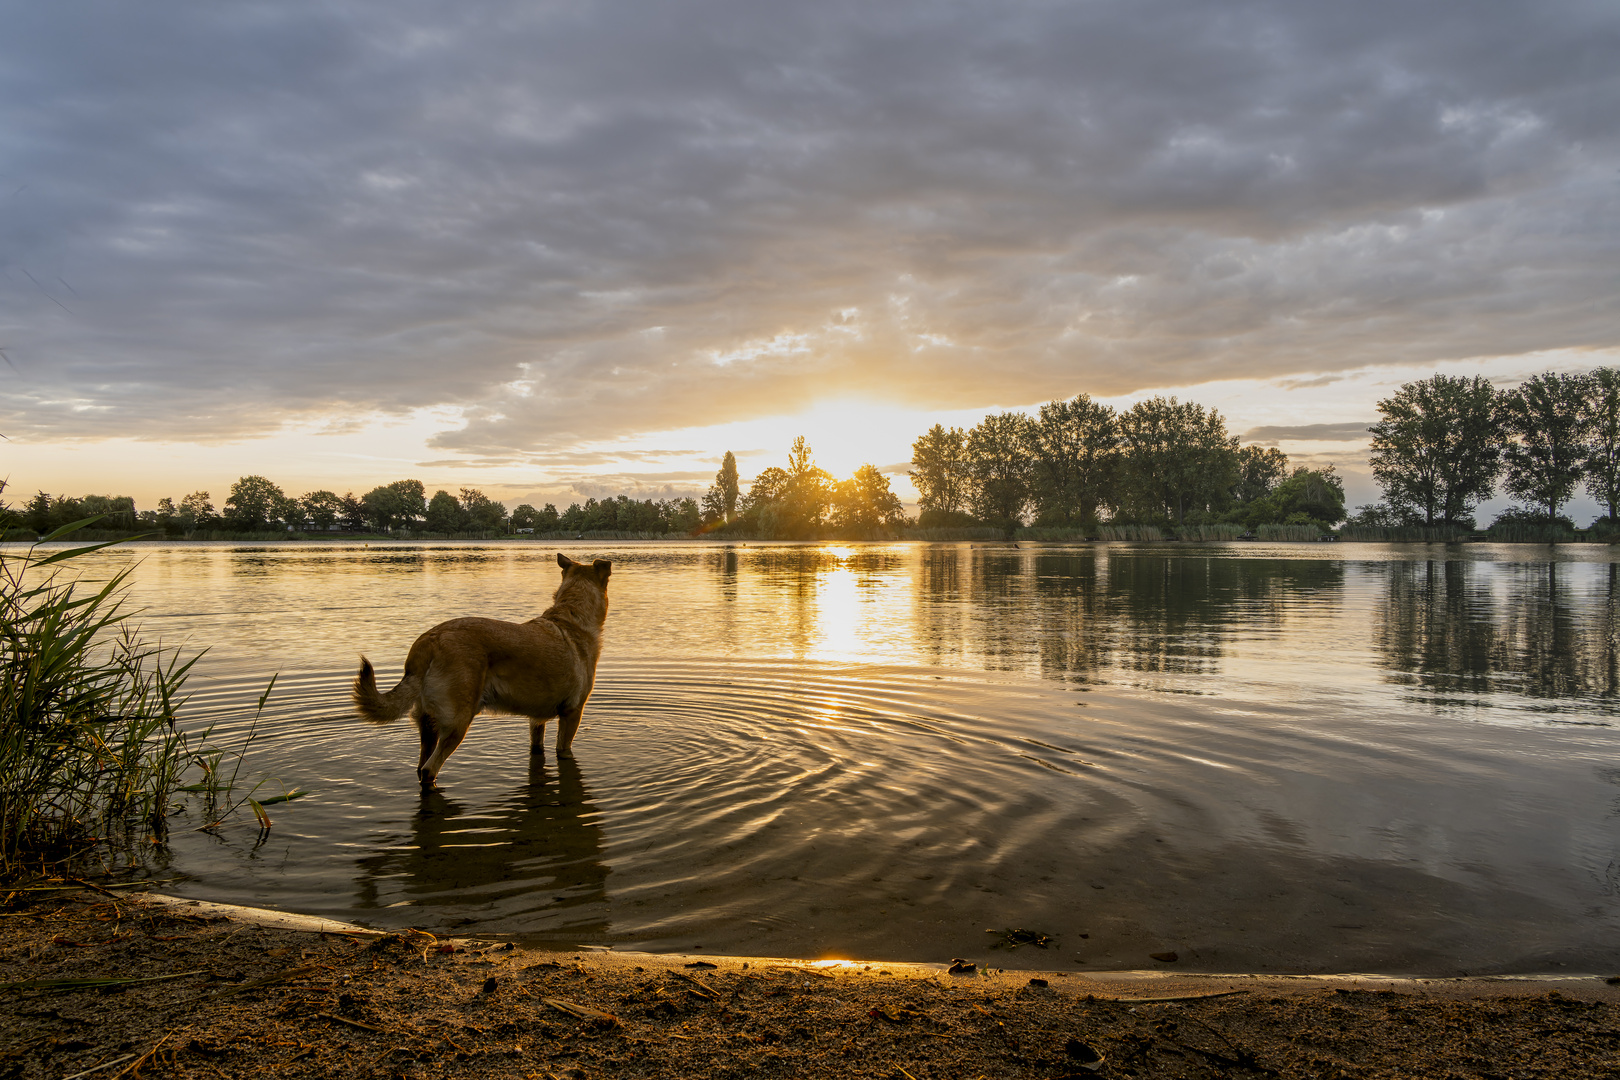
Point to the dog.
(538, 669)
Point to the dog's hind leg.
(537, 735)
(450, 736)
(428, 730)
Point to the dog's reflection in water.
(530, 864)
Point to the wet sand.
(188, 988)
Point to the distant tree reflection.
(1460, 629)
(1079, 615)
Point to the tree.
(1178, 458)
(1074, 447)
(321, 508)
(1437, 451)
(253, 504)
(412, 500)
(525, 516)
(714, 507)
(1260, 469)
(941, 475)
(482, 512)
(766, 490)
(354, 513)
(1602, 464)
(444, 514)
(999, 467)
(805, 496)
(684, 517)
(381, 505)
(196, 511)
(402, 503)
(1309, 495)
(1547, 421)
(36, 513)
(725, 481)
(863, 504)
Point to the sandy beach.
(111, 982)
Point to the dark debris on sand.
(183, 995)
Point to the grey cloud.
(556, 218)
(1356, 432)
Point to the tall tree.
(805, 496)
(941, 476)
(196, 511)
(482, 512)
(444, 513)
(253, 504)
(1260, 469)
(1178, 458)
(412, 504)
(1438, 450)
(1075, 452)
(714, 507)
(1602, 465)
(999, 468)
(863, 503)
(765, 491)
(726, 481)
(354, 512)
(1547, 421)
(382, 507)
(322, 508)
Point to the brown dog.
(539, 669)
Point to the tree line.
(801, 501)
(256, 504)
(1445, 442)
(1439, 450)
(1079, 463)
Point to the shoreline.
(272, 918)
(96, 982)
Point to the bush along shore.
(93, 756)
(95, 979)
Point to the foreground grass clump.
(90, 751)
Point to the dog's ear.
(564, 561)
(603, 568)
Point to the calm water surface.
(1392, 758)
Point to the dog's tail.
(383, 708)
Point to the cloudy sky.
(556, 248)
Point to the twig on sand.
(361, 1024)
(1178, 997)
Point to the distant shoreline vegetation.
(1077, 469)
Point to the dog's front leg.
(568, 719)
(537, 735)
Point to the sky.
(555, 250)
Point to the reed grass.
(1129, 532)
(90, 750)
(948, 534)
(1288, 532)
(1217, 531)
(1423, 534)
(1530, 532)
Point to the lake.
(1291, 757)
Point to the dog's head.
(600, 569)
